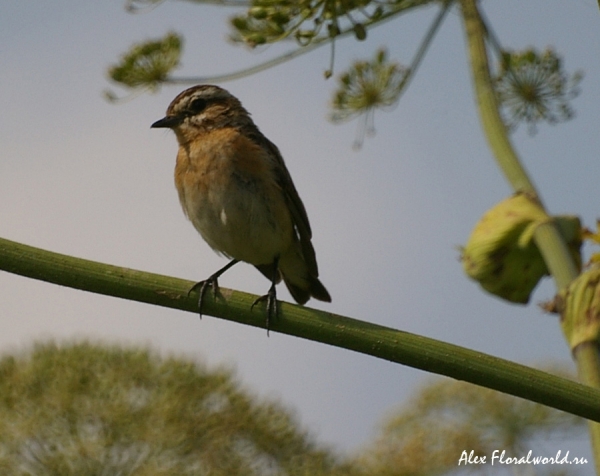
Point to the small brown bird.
(236, 190)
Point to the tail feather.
(302, 294)
(301, 279)
(318, 291)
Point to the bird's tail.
(301, 278)
(302, 282)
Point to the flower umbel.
(268, 21)
(366, 87)
(533, 87)
(148, 64)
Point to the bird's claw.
(202, 287)
(272, 306)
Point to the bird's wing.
(296, 207)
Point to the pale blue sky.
(84, 177)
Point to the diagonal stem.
(382, 342)
(547, 236)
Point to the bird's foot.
(202, 287)
(211, 282)
(272, 306)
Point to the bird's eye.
(197, 105)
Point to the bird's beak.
(167, 122)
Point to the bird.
(234, 187)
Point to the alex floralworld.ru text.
(499, 457)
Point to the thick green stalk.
(588, 362)
(547, 236)
(382, 342)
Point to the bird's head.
(201, 109)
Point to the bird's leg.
(212, 281)
(270, 297)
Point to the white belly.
(238, 223)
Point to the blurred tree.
(86, 409)
(448, 420)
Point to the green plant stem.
(315, 43)
(547, 236)
(424, 45)
(493, 125)
(382, 342)
(588, 358)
